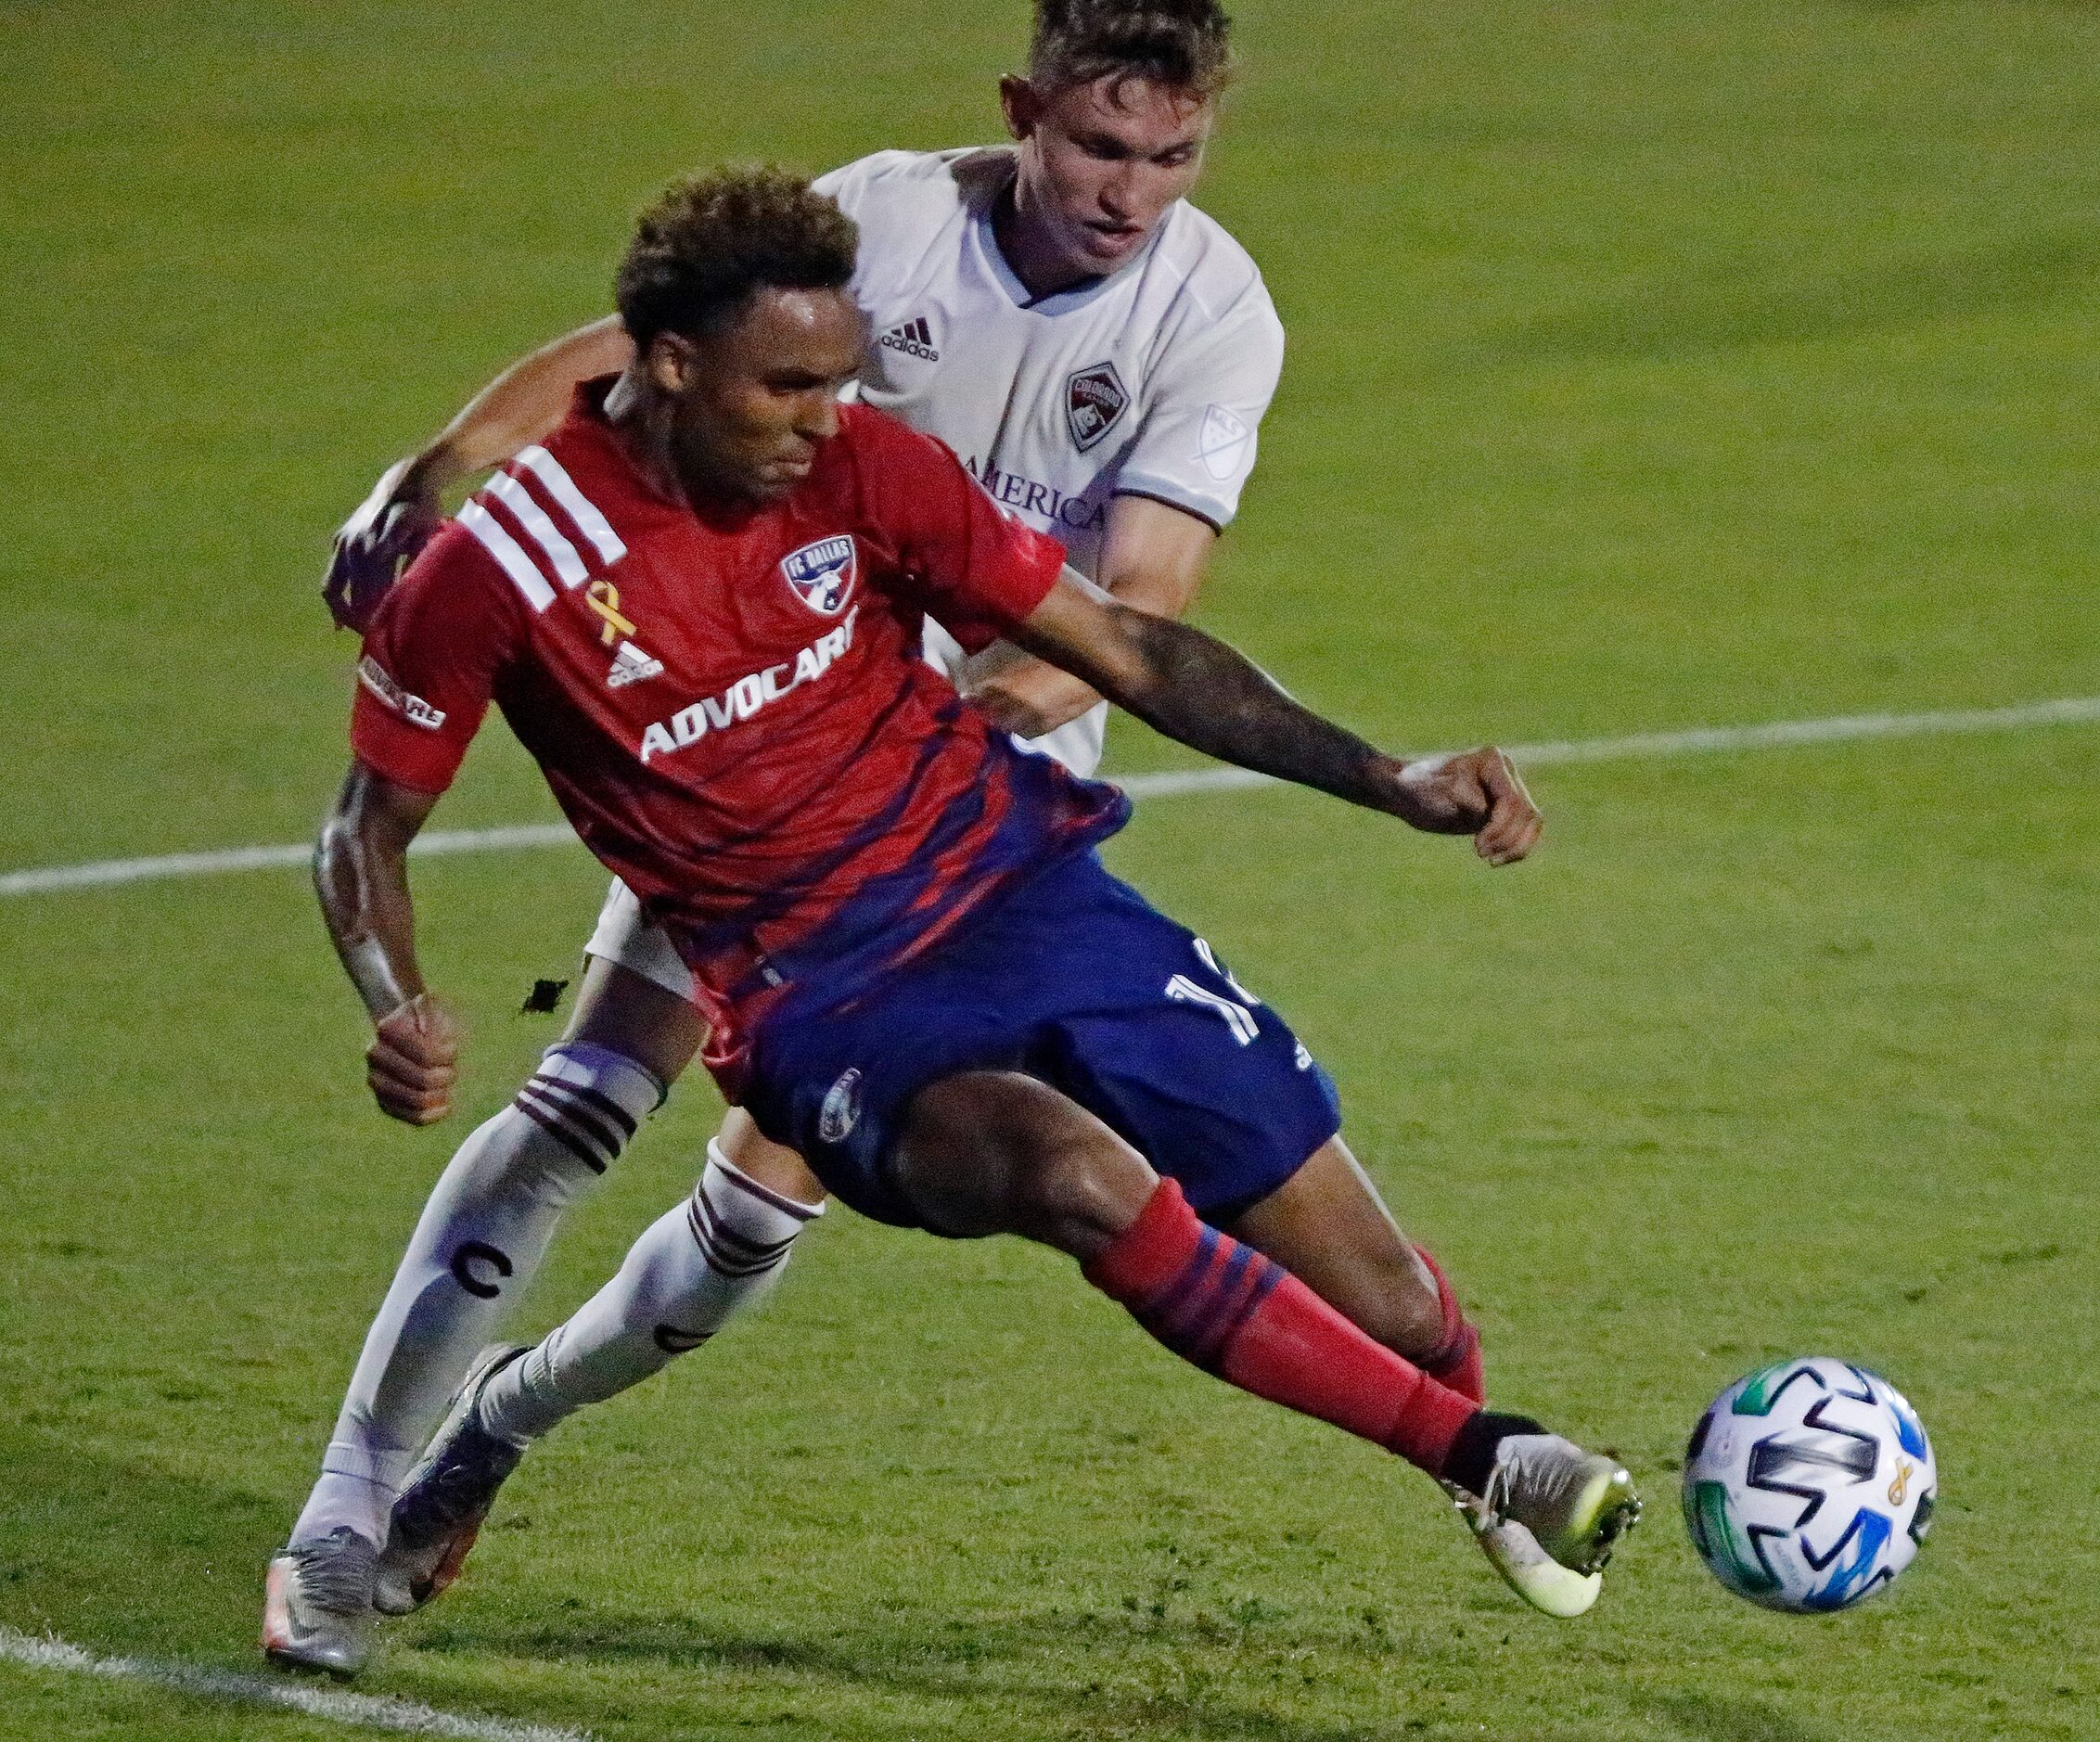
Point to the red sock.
(1233, 1313)
(1456, 1360)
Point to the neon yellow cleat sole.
(1523, 1566)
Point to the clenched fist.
(1473, 792)
(413, 1061)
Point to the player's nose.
(819, 418)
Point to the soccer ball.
(1808, 1485)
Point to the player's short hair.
(1186, 43)
(711, 241)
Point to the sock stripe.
(1197, 1304)
(554, 1119)
(1161, 1299)
(750, 1245)
(1222, 1285)
(729, 1175)
(602, 1138)
(551, 1124)
(1234, 1309)
(565, 1098)
(1272, 1274)
(735, 1235)
(706, 1237)
(605, 1104)
(1219, 1313)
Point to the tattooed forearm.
(1202, 693)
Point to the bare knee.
(626, 1013)
(1079, 1194)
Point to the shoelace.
(1496, 1489)
(337, 1573)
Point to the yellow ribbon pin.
(604, 599)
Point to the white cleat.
(1524, 1567)
(317, 1604)
(1574, 1504)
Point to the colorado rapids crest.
(1094, 398)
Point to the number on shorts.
(1210, 961)
(1238, 1017)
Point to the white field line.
(1691, 741)
(401, 1717)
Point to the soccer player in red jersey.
(874, 887)
(1059, 273)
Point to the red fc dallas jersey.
(732, 710)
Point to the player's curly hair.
(1186, 43)
(711, 240)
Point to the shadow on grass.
(1712, 1718)
(122, 1557)
(1080, 1674)
(125, 1559)
(119, 1554)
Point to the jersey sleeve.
(1195, 446)
(430, 660)
(859, 188)
(848, 184)
(972, 568)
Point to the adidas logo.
(631, 665)
(915, 339)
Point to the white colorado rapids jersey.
(1149, 382)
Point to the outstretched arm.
(361, 875)
(515, 410)
(1197, 690)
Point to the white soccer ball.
(1808, 1485)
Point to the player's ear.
(671, 363)
(1022, 104)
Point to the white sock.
(480, 1239)
(718, 1253)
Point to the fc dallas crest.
(822, 573)
(1094, 399)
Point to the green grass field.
(1652, 366)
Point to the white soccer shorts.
(625, 937)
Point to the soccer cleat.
(1524, 1567)
(446, 1495)
(1575, 1503)
(317, 1603)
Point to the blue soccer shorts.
(1076, 980)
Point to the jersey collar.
(591, 425)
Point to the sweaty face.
(752, 404)
(1100, 164)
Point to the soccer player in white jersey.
(1100, 354)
